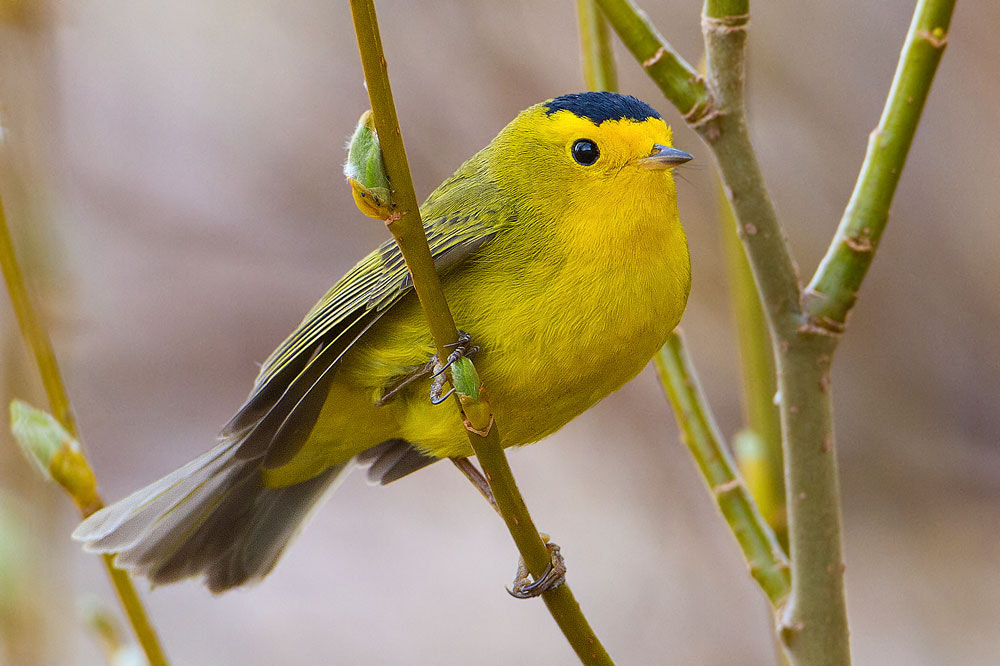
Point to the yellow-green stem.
(407, 229)
(759, 382)
(678, 80)
(599, 72)
(763, 553)
(833, 289)
(36, 337)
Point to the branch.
(726, 134)
(762, 444)
(84, 494)
(678, 80)
(598, 57)
(763, 553)
(813, 626)
(833, 290)
(406, 227)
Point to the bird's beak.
(664, 157)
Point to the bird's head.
(580, 150)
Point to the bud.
(39, 435)
(365, 171)
(55, 452)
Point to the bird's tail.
(213, 517)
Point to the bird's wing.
(292, 384)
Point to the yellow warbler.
(560, 252)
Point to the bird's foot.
(434, 369)
(463, 347)
(525, 587)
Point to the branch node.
(721, 25)
(727, 487)
(860, 243)
(484, 432)
(655, 58)
(937, 37)
(821, 326)
(702, 113)
(706, 124)
(789, 630)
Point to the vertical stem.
(33, 332)
(759, 380)
(36, 337)
(599, 72)
(484, 437)
(405, 224)
(813, 626)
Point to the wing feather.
(292, 384)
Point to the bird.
(561, 254)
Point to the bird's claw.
(555, 575)
(463, 347)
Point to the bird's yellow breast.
(579, 318)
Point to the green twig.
(833, 289)
(767, 561)
(407, 229)
(759, 381)
(599, 72)
(678, 80)
(88, 502)
(726, 133)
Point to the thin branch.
(85, 495)
(678, 80)
(484, 437)
(759, 381)
(766, 558)
(726, 134)
(833, 290)
(599, 72)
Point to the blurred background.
(173, 175)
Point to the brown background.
(173, 171)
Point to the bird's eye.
(585, 152)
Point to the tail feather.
(213, 517)
(118, 526)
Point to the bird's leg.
(432, 369)
(524, 587)
(463, 347)
(422, 371)
(477, 479)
